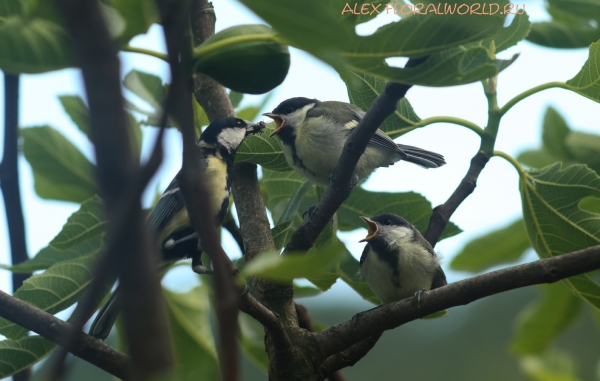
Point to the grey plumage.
(313, 134)
(397, 262)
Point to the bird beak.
(373, 230)
(279, 122)
(254, 128)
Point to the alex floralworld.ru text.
(439, 9)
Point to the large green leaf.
(584, 148)
(77, 110)
(587, 81)
(23, 353)
(537, 158)
(362, 91)
(412, 206)
(501, 246)
(50, 255)
(263, 150)
(138, 16)
(265, 61)
(10, 8)
(551, 366)
(193, 343)
(554, 221)
(31, 44)
(560, 34)
(60, 170)
(543, 320)
(87, 222)
(147, 86)
(57, 288)
(554, 133)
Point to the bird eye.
(238, 123)
(387, 223)
(289, 110)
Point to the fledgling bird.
(313, 134)
(169, 221)
(397, 261)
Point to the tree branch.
(191, 176)
(347, 358)
(9, 177)
(442, 213)
(117, 171)
(341, 336)
(85, 346)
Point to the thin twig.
(85, 346)
(341, 336)
(347, 358)
(442, 213)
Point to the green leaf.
(537, 158)
(32, 44)
(518, 29)
(10, 8)
(305, 291)
(281, 234)
(265, 61)
(49, 255)
(554, 133)
(235, 98)
(450, 67)
(591, 204)
(21, 354)
(362, 91)
(147, 86)
(263, 150)
(252, 112)
(285, 268)
(565, 35)
(551, 366)
(587, 9)
(543, 320)
(584, 148)
(87, 222)
(193, 343)
(504, 245)
(587, 81)
(294, 203)
(252, 340)
(60, 170)
(138, 16)
(77, 110)
(555, 224)
(412, 206)
(57, 288)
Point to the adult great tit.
(313, 134)
(397, 261)
(169, 221)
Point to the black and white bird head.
(229, 133)
(389, 229)
(290, 113)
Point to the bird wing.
(349, 116)
(365, 252)
(169, 204)
(439, 279)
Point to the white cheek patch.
(396, 234)
(298, 116)
(231, 138)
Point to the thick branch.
(388, 316)
(442, 213)
(85, 346)
(195, 193)
(117, 171)
(349, 357)
(269, 320)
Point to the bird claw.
(418, 296)
(356, 317)
(198, 267)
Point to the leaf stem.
(512, 161)
(148, 52)
(529, 92)
(201, 50)
(450, 119)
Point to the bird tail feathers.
(422, 157)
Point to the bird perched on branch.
(169, 221)
(313, 134)
(397, 261)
